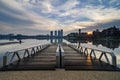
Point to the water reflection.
(56, 40)
(111, 44)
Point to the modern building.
(55, 33)
(51, 34)
(61, 32)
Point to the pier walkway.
(53, 56)
(74, 60)
(41, 60)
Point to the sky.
(33, 17)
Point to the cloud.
(44, 15)
(20, 18)
(102, 14)
(100, 1)
(102, 26)
(69, 4)
(97, 15)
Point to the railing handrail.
(33, 51)
(96, 49)
(59, 47)
(113, 56)
(57, 50)
(26, 48)
(110, 52)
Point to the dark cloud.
(14, 20)
(10, 18)
(102, 26)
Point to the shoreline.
(8, 43)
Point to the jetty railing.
(60, 56)
(23, 54)
(108, 57)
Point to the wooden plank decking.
(77, 61)
(46, 60)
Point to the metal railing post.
(114, 62)
(4, 61)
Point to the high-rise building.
(51, 34)
(61, 31)
(55, 33)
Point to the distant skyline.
(32, 17)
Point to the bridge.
(59, 56)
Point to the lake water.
(113, 46)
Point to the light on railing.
(92, 53)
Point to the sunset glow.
(89, 33)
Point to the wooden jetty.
(75, 60)
(35, 58)
(53, 56)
